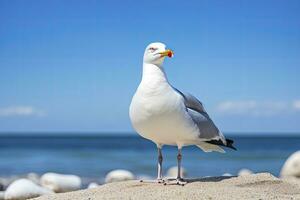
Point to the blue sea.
(93, 156)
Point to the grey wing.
(191, 102)
(207, 129)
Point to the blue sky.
(74, 66)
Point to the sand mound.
(255, 186)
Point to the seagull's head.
(155, 53)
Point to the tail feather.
(229, 143)
(206, 147)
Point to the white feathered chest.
(157, 114)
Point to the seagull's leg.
(159, 166)
(179, 179)
(179, 157)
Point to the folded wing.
(208, 131)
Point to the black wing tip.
(230, 144)
(219, 142)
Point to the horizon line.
(127, 133)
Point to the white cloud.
(236, 107)
(255, 108)
(20, 111)
(296, 105)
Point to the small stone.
(227, 174)
(34, 177)
(245, 172)
(24, 189)
(172, 172)
(61, 182)
(93, 185)
(118, 175)
(291, 167)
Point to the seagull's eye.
(152, 49)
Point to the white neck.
(153, 74)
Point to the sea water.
(93, 156)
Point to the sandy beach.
(256, 186)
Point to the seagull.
(161, 113)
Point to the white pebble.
(172, 172)
(61, 182)
(245, 172)
(227, 174)
(118, 175)
(34, 177)
(93, 185)
(291, 167)
(24, 189)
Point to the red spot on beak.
(170, 54)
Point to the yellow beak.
(167, 52)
